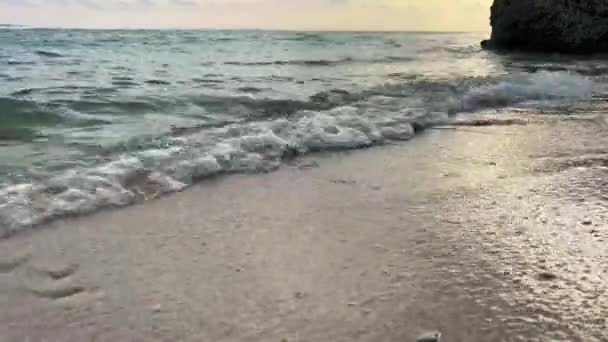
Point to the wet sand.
(491, 233)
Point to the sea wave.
(331, 120)
(252, 147)
(538, 86)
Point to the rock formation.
(572, 26)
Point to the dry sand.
(491, 233)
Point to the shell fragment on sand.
(430, 336)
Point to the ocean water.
(92, 119)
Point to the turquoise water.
(91, 119)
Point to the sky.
(373, 15)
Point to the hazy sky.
(443, 15)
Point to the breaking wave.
(271, 131)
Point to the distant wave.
(223, 39)
(394, 59)
(205, 80)
(456, 50)
(22, 113)
(13, 62)
(157, 82)
(124, 83)
(250, 90)
(556, 67)
(66, 90)
(111, 40)
(325, 63)
(48, 54)
(320, 62)
(116, 106)
(393, 43)
(538, 86)
(306, 37)
(23, 92)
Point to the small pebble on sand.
(546, 276)
(431, 336)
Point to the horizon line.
(168, 28)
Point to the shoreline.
(378, 244)
(147, 185)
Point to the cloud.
(91, 4)
(87, 4)
(143, 5)
(184, 3)
(105, 5)
(18, 3)
(271, 14)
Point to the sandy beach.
(493, 233)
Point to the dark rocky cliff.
(572, 26)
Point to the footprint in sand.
(11, 263)
(56, 291)
(51, 280)
(56, 271)
(47, 280)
